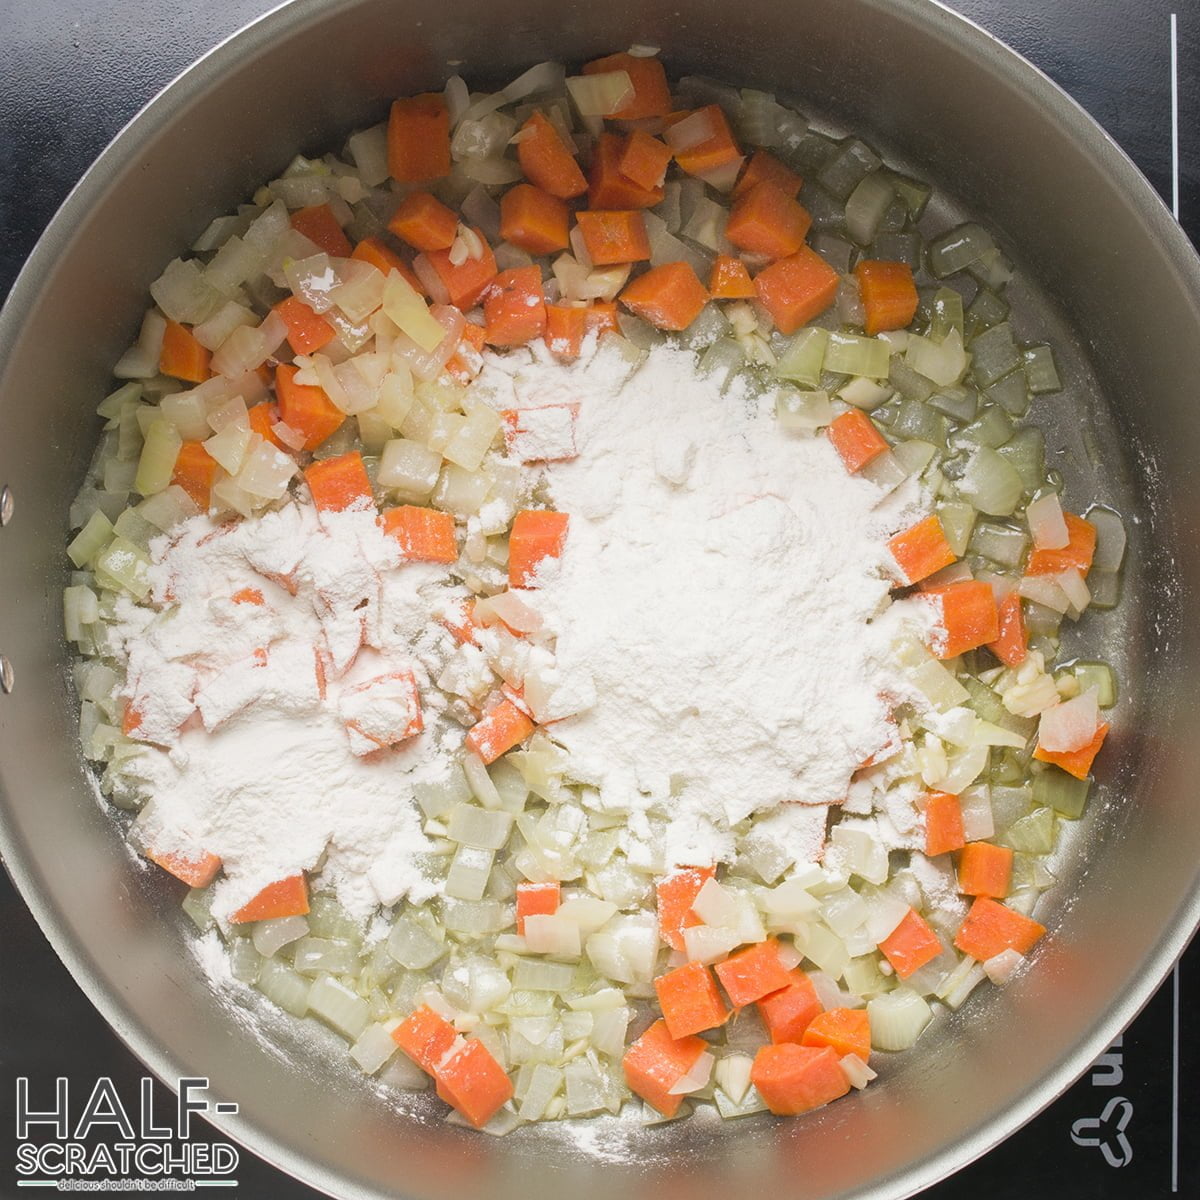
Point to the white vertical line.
(1175, 116)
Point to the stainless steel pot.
(1109, 275)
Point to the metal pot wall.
(1109, 276)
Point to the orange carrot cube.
(534, 220)
(537, 534)
(889, 295)
(669, 297)
(339, 483)
(536, 900)
(794, 1079)
(911, 944)
(644, 160)
(1010, 647)
(383, 258)
(418, 137)
(846, 1030)
(424, 222)
(307, 331)
(991, 927)
(796, 289)
(195, 471)
(464, 282)
(474, 1083)
(921, 550)
(321, 227)
(763, 165)
(966, 616)
(689, 1000)
(425, 1037)
(656, 1062)
(730, 280)
(766, 220)
(566, 327)
(753, 973)
(547, 161)
(514, 307)
(284, 898)
(676, 893)
(504, 727)
(943, 824)
(608, 188)
(985, 870)
(651, 93)
(305, 408)
(614, 237)
(196, 870)
(1076, 555)
(424, 534)
(181, 356)
(788, 1012)
(856, 439)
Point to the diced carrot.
(566, 326)
(718, 149)
(248, 595)
(466, 282)
(1075, 762)
(943, 824)
(614, 237)
(425, 1036)
(753, 973)
(921, 550)
(196, 870)
(856, 439)
(601, 317)
(644, 160)
(181, 356)
(195, 471)
(788, 1012)
(534, 220)
(730, 280)
(473, 1083)
(263, 417)
(1010, 647)
(911, 944)
(966, 615)
(656, 1062)
(307, 331)
(284, 898)
(676, 893)
(889, 295)
(537, 534)
(424, 222)
(991, 927)
(796, 289)
(473, 336)
(689, 1000)
(424, 534)
(651, 94)
(764, 165)
(846, 1030)
(794, 1079)
(536, 899)
(1077, 554)
(320, 226)
(305, 407)
(459, 618)
(504, 727)
(514, 307)
(766, 220)
(339, 483)
(608, 188)
(669, 297)
(547, 161)
(418, 137)
(985, 869)
(383, 258)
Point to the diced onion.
(857, 1073)
(602, 94)
(897, 1019)
(1071, 725)
(1046, 522)
(1000, 968)
(271, 936)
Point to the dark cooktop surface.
(76, 70)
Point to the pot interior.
(1102, 273)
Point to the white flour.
(723, 590)
(716, 644)
(274, 787)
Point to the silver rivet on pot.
(6, 674)
(6, 504)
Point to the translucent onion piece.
(1071, 725)
(1000, 968)
(602, 94)
(271, 936)
(1110, 538)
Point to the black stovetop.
(76, 70)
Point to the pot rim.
(280, 23)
